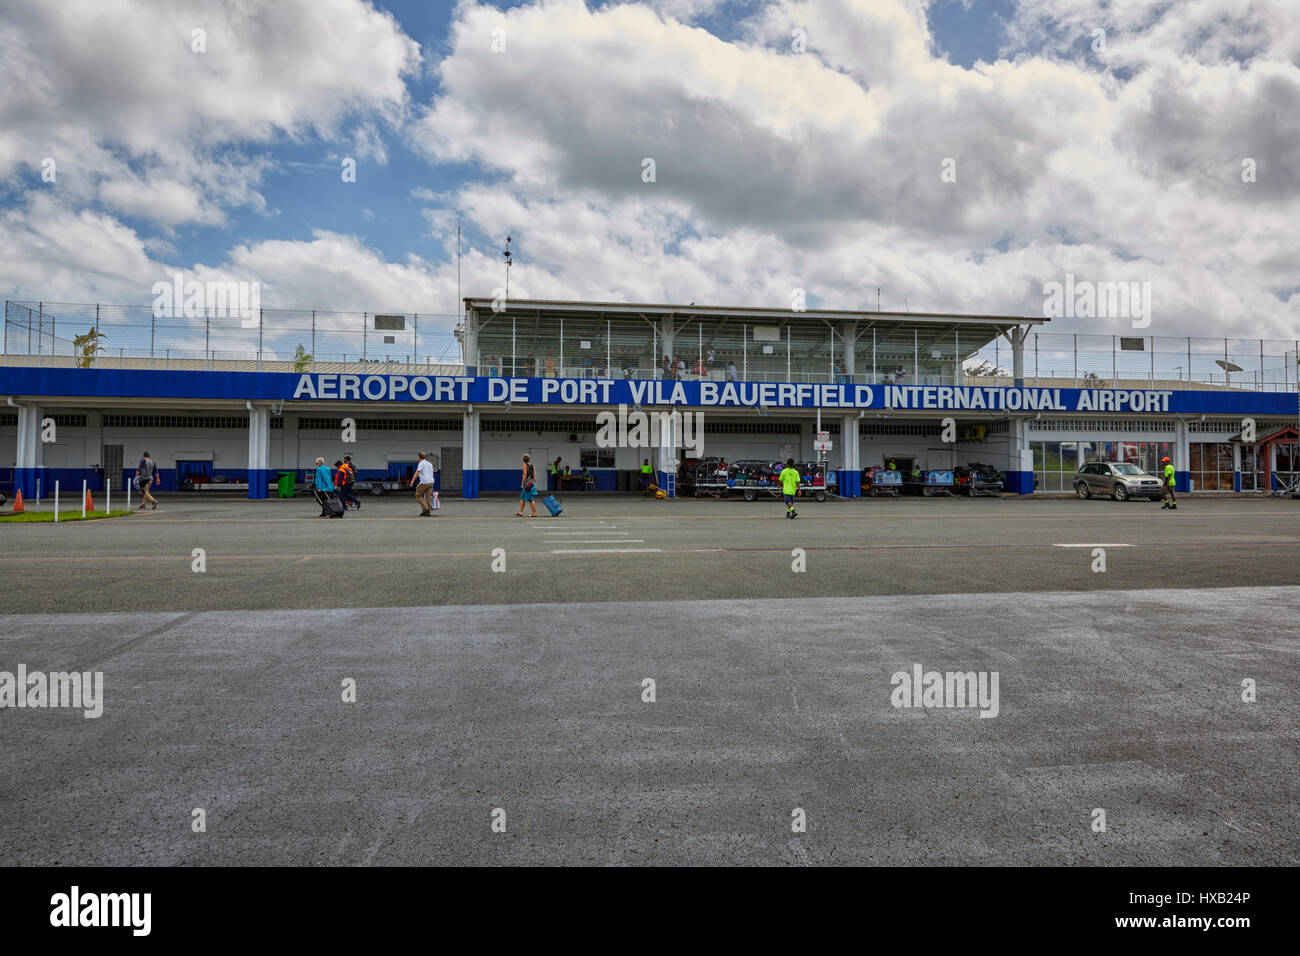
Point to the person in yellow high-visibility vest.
(1167, 486)
(789, 479)
(646, 474)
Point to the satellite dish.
(1227, 366)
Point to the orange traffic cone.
(18, 503)
(90, 502)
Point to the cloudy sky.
(795, 145)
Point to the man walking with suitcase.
(324, 487)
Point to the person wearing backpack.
(347, 481)
(147, 473)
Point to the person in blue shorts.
(527, 489)
(789, 479)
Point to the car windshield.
(1128, 468)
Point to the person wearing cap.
(324, 485)
(1168, 486)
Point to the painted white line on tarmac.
(1092, 546)
(570, 534)
(607, 551)
(604, 541)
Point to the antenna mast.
(508, 263)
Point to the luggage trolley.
(931, 483)
(813, 481)
(878, 480)
(976, 479)
(711, 477)
(752, 478)
(756, 478)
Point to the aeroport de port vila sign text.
(544, 392)
(526, 391)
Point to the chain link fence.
(273, 340)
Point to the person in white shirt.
(423, 481)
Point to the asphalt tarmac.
(774, 698)
(278, 554)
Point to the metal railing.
(39, 333)
(46, 334)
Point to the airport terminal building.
(233, 402)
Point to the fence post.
(417, 338)
(261, 319)
(1151, 382)
(153, 321)
(313, 340)
(1114, 364)
(364, 330)
(1189, 361)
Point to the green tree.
(985, 369)
(301, 359)
(86, 347)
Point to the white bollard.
(56, 501)
(108, 495)
(128, 494)
(83, 497)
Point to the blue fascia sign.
(440, 389)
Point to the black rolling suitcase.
(330, 503)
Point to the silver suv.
(1119, 479)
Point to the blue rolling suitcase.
(553, 505)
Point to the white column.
(1182, 450)
(665, 343)
(849, 335)
(259, 451)
(30, 457)
(469, 340)
(850, 449)
(666, 447)
(470, 454)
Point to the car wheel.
(1121, 493)
(1081, 489)
(821, 496)
(749, 496)
(376, 490)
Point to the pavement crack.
(135, 641)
